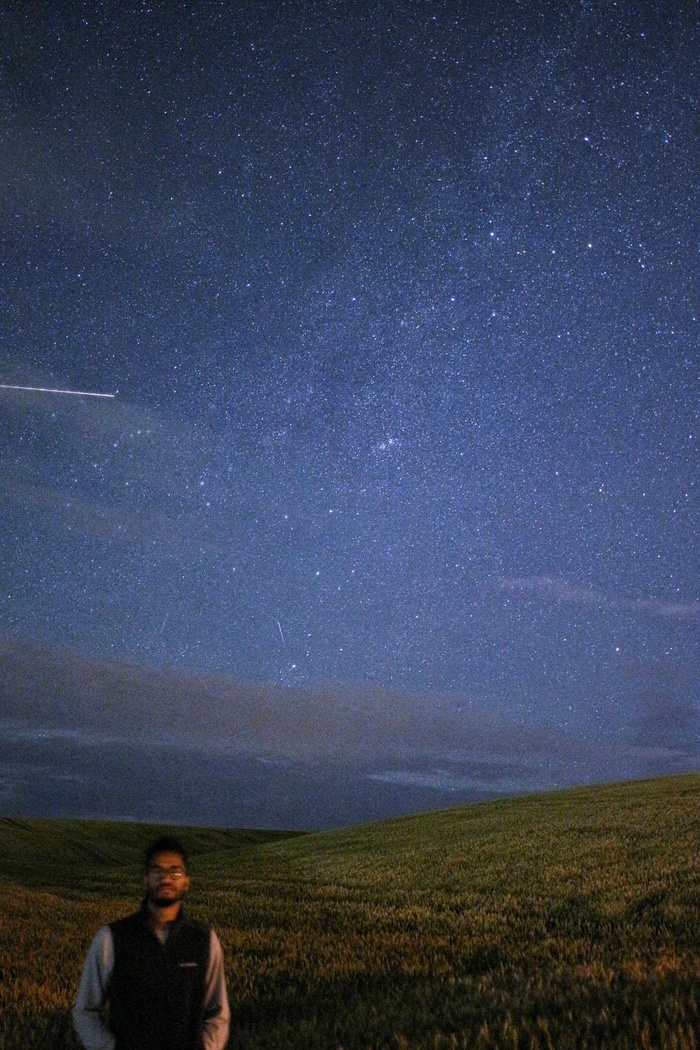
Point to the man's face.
(166, 880)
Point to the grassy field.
(569, 919)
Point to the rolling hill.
(568, 919)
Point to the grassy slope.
(563, 920)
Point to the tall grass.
(563, 920)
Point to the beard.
(155, 897)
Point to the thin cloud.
(123, 464)
(672, 610)
(557, 589)
(102, 520)
(552, 587)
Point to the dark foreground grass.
(563, 920)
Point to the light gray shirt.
(92, 993)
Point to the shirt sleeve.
(88, 1020)
(217, 1015)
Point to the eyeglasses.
(166, 873)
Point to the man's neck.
(159, 918)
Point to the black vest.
(156, 992)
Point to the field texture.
(567, 920)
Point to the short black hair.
(164, 844)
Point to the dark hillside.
(75, 852)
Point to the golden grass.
(563, 920)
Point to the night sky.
(399, 302)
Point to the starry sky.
(399, 302)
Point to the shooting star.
(51, 390)
(281, 633)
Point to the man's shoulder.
(195, 924)
(102, 943)
(195, 930)
(136, 922)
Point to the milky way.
(402, 306)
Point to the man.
(155, 980)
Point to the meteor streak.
(50, 390)
(281, 634)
